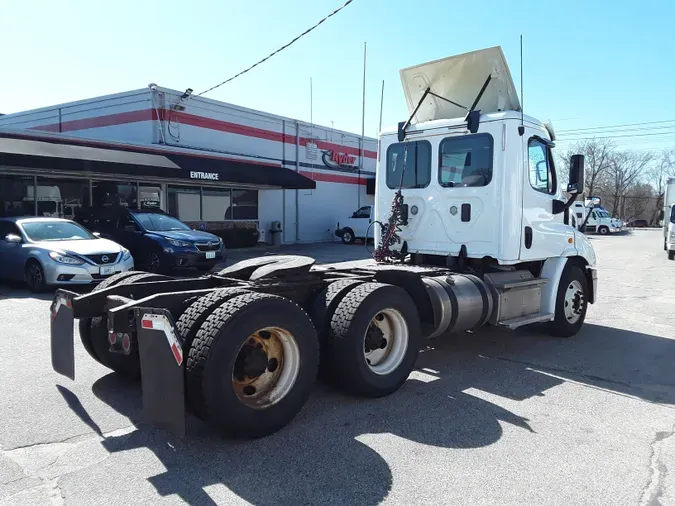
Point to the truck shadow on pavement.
(320, 457)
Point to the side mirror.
(576, 179)
(130, 228)
(13, 238)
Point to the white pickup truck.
(356, 226)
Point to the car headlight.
(178, 244)
(126, 254)
(64, 259)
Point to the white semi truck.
(669, 218)
(595, 219)
(471, 229)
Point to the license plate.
(210, 254)
(107, 269)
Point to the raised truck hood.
(460, 78)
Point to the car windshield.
(155, 222)
(56, 231)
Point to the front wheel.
(671, 255)
(571, 303)
(603, 230)
(35, 276)
(348, 236)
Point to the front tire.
(603, 230)
(374, 340)
(254, 362)
(34, 275)
(671, 255)
(348, 236)
(571, 303)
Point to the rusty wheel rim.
(266, 367)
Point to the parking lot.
(495, 417)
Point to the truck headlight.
(672, 236)
(64, 259)
(126, 254)
(178, 244)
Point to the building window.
(61, 198)
(184, 203)
(465, 161)
(150, 196)
(417, 156)
(244, 205)
(215, 204)
(16, 196)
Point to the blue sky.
(587, 64)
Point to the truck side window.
(363, 212)
(579, 215)
(542, 175)
(418, 165)
(465, 161)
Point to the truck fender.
(552, 270)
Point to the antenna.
(521, 128)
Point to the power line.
(278, 50)
(617, 136)
(615, 126)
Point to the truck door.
(544, 235)
(360, 221)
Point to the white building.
(237, 161)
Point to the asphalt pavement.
(495, 417)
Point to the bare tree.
(597, 154)
(625, 170)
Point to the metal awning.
(19, 150)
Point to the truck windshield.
(56, 231)
(155, 222)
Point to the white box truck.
(472, 229)
(669, 218)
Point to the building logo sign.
(336, 160)
(211, 176)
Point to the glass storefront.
(212, 204)
(65, 197)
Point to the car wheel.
(35, 276)
(153, 262)
(348, 236)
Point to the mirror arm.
(559, 206)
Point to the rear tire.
(127, 366)
(322, 313)
(84, 324)
(224, 352)
(375, 338)
(571, 303)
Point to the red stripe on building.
(333, 178)
(124, 118)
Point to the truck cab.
(357, 226)
(474, 179)
(596, 218)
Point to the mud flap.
(162, 375)
(61, 333)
